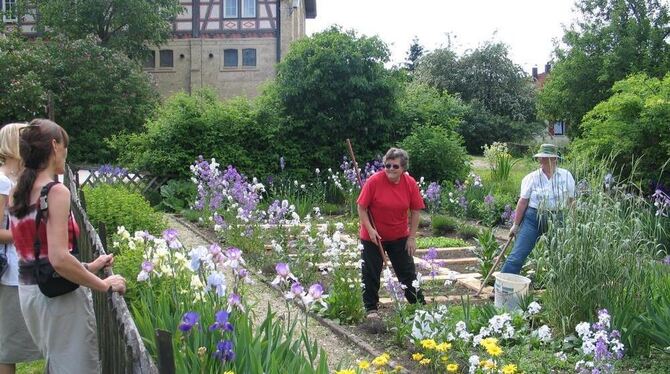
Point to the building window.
(249, 57)
(230, 58)
(150, 62)
(167, 58)
(231, 8)
(248, 8)
(9, 11)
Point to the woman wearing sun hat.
(544, 192)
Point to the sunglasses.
(394, 166)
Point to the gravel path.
(260, 295)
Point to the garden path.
(261, 296)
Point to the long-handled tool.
(360, 183)
(495, 264)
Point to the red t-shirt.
(23, 232)
(388, 203)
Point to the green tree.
(436, 154)
(126, 25)
(631, 124)
(96, 91)
(413, 55)
(333, 86)
(613, 39)
(499, 95)
(421, 104)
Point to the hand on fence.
(116, 283)
(103, 261)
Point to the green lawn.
(35, 367)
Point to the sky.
(528, 27)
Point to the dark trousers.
(403, 265)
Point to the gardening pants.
(403, 265)
(533, 226)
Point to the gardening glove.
(513, 230)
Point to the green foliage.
(499, 94)
(467, 231)
(413, 55)
(435, 154)
(187, 126)
(443, 224)
(486, 251)
(613, 39)
(129, 26)
(128, 262)
(345, 304)
(631, 124)
(333, 86)
(96, 92)
(439, 242)
(114, 205)
(178, 195)
(600, 257)
(421, 104)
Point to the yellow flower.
(381, 360)
(488, 342)
(379, 371)
(444, 358)
(509, 369)
(398, 369)
(428, 343)
(494, 350)
(425, 361)
(363, 365)
(229, 372)
(452, 368)
(443, 347)
(346, 371)
(488, 364)
(417, 357)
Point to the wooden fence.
(138, 182)
(121, 348)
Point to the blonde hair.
(9, 141)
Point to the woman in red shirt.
(388, 196)
(62, 327)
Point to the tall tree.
(125, 25)
(612, 39)
(413, 55)
(333, 86)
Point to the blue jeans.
(532, 226)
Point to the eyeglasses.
(394, 166)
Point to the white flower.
(561, 355)
(533, 308)
(142, 276)
(543, 334)
(417, 282)
(583, 329)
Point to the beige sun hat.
(547, 150)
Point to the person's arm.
(521, 207)
(59, 255)
(414, 218)
(365, 223)
(5, 234)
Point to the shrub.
(633, 123)
(115, 205)
(178, 195)
(187, 126)
(467, 231)
(436, 154)
(444, 224)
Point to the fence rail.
(122, 350)
(138, 182)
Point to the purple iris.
(224, 351)
(189, 320)
(235, 300)
(282, 269)
(147, 266)
(489, 199)
(316, 291)
(221, 322)
(171, 237)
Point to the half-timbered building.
(229, 45)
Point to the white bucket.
(509, 289)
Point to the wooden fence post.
(165, 353)
(102, 232)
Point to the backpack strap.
(42, 211)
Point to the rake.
(495, 264)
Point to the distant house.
(230, 45)
(554, 128)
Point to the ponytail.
(21, 197)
